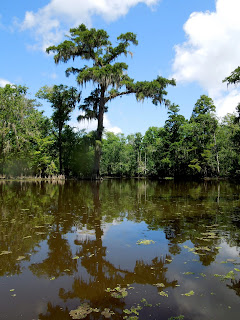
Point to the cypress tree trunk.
(60, 149)
(217, 158)
(98, 141)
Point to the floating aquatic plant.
(20, 258)
(5, 252)
(230, 275)
(107, 313)
(202, 274)
(117, 292)
(145, 303)
(188, 294)
(187, 273)
(145, 241)
(82, 311)
(159, 285)
(163, 294)
(133, 310)
(181, 317)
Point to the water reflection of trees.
(102, 273)
(235, 285)
(181, 211)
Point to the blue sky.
(194, 41)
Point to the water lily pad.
(202, 274)
(230, 275)
(118, 292)
(81, 312)
(187, 273)
(163, 294)
(133, 310)
(20, 258)
(27, 237)
(188, 294)
(107, 313)
(5, 252)
(159, 285)
(145, 303)
(145, 241)
(189, 249)
(181, 317)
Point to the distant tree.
(173, 140)
(234, 78)
(204, 126)
(109, 77)
(63, 100)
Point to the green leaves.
(234, 77)
(23, 132)
(63, 100)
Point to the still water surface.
(82, 246)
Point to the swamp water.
(119, 250)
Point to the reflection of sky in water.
(122, 248)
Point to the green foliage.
(63, 100)
(234, 78)
(24, 134)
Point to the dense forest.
(34, 145)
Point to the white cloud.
(211, 52)
(227, 103)
(92, 125)
(3, 82)
(46, 22)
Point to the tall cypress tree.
(109, 77)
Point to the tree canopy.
(63, 100)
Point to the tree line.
(32, 144)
